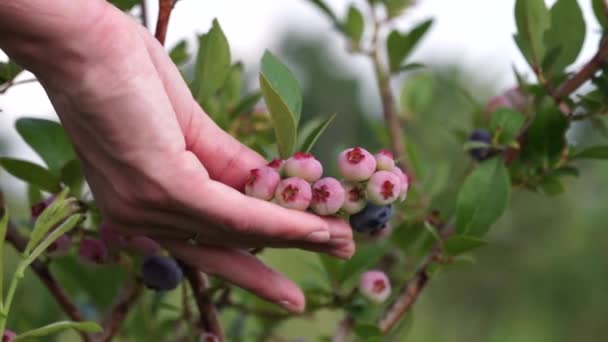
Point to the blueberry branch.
(586, 72)
(164, 14)
(128, 295)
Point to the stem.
(199, 283)
(344, 329)
(164, 13)
(129, 294)
(594, 64)
(15, 83)
(11, 293)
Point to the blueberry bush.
(410, 224)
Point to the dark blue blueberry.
(481, 153)
(372, 218)
(161, 273)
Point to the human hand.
(156, 163)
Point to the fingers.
(243, 270)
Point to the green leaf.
(417, 93)
(65, 227)
(595, 152)
(309, 141)
(394, 8)
(3, 229)
(34, 195)
(545, 139)
(566, 171)
(551, 186)
(411, 67)
(246, 104)
(124, 5)
(364, 258)
(367, 331)
(90, 327)
(8, 71)
(482, 198)
(566, 39)
(31, 173)
(179, 53)
(72, 176)
(232, 89)
(532, 19)
(601, 15)
(506, 123)
(461, 244)
(325, 9)
(399, 46)
(332, 267)
(284, 100)
(212, 64)
(354, 25)
(47, 138)
(56, 212)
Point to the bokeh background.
(544, 275)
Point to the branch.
(199, 283)
(164, 13)
(44, 274)
(129, 294)
(573, 83)
(13, 83)
(344, 329)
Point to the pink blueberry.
(375, 286)
(92, 252)
(208, 337)
(356, 164)
(8, 336)
(405, 182)
(385, 160)
(262, 183)
(513, 98)
(145, 246)
(112, 238)
(293, 193)
(60, 247)
(327, 196)
(303, 165)
(384, 187)
(354, 200)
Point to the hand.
(156, 163)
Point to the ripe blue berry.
(161, 273)
(371, 218)
(481, 153)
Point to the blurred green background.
(542, 277)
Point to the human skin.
(156, 163)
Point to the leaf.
(417, 93)
(3, 229)
(212, 64)
(551, 186)
(284, 100)
(532, 19)
(399, 46)
(246, 104)
(507, 123)
(394, 8)
(56, 212)
(354, 25)
(8, 71)
(72, 176)
(367, 331)
(231, 91)
(364, 258)
(332, 269)
(124, 5)
(325, 9)
(566, 171)
(31, 173)
(594, 152)
(566, 39)
(601, 15)
(179, 53)
(48, 139)
(90, 327)
(411, 66)
(65, 227)
(482, 198)
(310, 140)
(461, 244)
(545, 139)
(34, 195)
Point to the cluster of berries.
(369, 186)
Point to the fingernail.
(319, 236)
(290, 306)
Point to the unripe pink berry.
(356, 164)
(354, 199)
(383, 188)
(8, 336)
(293, 193)
(375, 286)
(277, 164)
(262, 183)
(496, 102)
(303, 165)
(144, 245)
(111, 238)
(404, 181)
(385, 160)
(92, 252)
(60, 247)
(327, 196)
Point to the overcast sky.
(475, 33)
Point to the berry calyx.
(293, 193)
(354, 200)
(327, 196)
(356, 164)
(384, 187)
(375, 286)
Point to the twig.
(344, 330)
(129, 294)
(573, 83)
(44, 274)
(164, 13)
(13, 83)
(199, 283)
